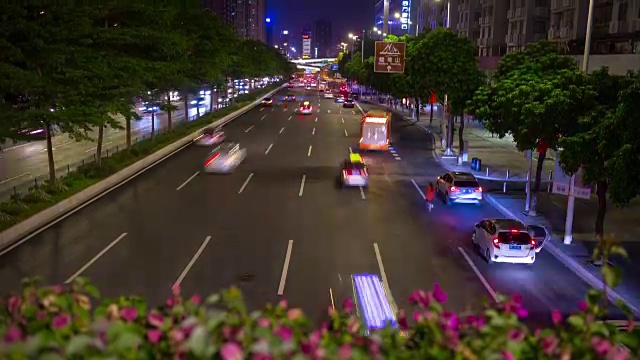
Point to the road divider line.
(261, 109)
(13, 178)
(304, 177)
(191, 262)
(249, 129)
(273, 109)
(309, 152)
(350, 150)
(383, 275)
(268, 149)
(289, 119)
(285, 268)
(316, 119)
(187, 181)
(245, 183)
(88, 150)
(345, 132)
(342, 119)
(313, 132)
(333, 303)
(281, 130)
(95, 258)
(480, 276)
(262, 118)
(398, 158)
(362, 195)
(419, 190)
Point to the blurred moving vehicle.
(373, 302)
(504, 240)
(328, 94)
(354, 171)
(211, 136)
(290, 98)
(150, 107)
(462, 187)
(348, 103)
(32, 133)
(305, 108)
(200, 100)
(375, 131)
(266, 101)
(225, 158)
(354, 96)
(340, 100)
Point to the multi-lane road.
(280, 227)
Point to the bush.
(13, 207)
(6, 219)
(59, 322)
(35, 195)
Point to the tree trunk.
(128, 132)
(536, 183)
(52, 165)
(460, 140)
(601, 190)
(211, 100)
(153, 125)
(99, 145)
(185, 98)
(417, 109)
(169, 111)
(198, 111)
(431, 115)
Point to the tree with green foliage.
(606, 145)
(537, 96)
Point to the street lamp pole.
(385, 25)
(449, 141)
(362, 43)
(568, 225)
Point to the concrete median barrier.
(39, 222)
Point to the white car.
(210, 139)
(328, 95)
(225, 158)
(305, 108)
(504, 240)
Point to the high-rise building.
(285, 42)
(321, 37)
(306, 44)
(404, 16)
(246, 17)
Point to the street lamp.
(448, 142)
(375, 28)
(396, 15)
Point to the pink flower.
(507, 355)
(42, 315)
(261, 357)
(175, 290)
(521, 312)
(600, 346)
(314, 338)
(374, 348)
(516, 335)
(154, 335)
(129, 313)
(556, 317)
(60, 321)
(177, 335)
(294, 314)
(171, 302)
(549, 344)
(14, 303)
(420, 298)
(284, 333)
(231, 351)
(438, 294)
(283, 304)
(155, 319)
(451, 320)
(618, 353)
(195, 299)
(13, 334)
(517, 298)
(417, 316)
(402, 320)
(263, 322)
(344, 352)
(227, 332)
(348, 305)
(582, 306)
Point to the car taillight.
(211, 159)
(515, 231)
(454, 189)
(347, 173)
(533, 243)
(479, 189)
(496, 243)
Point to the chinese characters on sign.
(562, 182)
(406, 15)
(390, 57)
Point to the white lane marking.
(309, 152)
(340, 111)
(304, 177)
(249, 129)
(273, 109)
(15, 177)
(345, 132)
(289, 118)
(333, 303)
(342, 119)
(313, 132)
(281, 130)
(262, 118)
(88, 150)
(329, 111)
(350, 150)
(394, 155)
(191, 262)
(383, 275)
(419, 190)
(245, 183)
(482, 278)
(285, 268)
(95, 258)
(268, 149)
(316, 119)
(353, 112)
(362, 194)
(261, 109)
(398, 158)
(187, 181)
(392, 151)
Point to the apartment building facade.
(246, 17)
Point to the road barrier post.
(550, 181)
(504, 184)
(487, 171)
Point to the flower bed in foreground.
(58, 322)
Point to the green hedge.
(38, 198)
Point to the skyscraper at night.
(246, 17)
(322, 45)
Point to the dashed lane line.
(245, 183)
(268, 149)
(95, 258)
(191, 262)
(249, 129)
(187, 181)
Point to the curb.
(569, 262)
(21, 232)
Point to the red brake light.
(533, 243)
(479, 189)
(515, 231)
(211, 159)
(454, 189)
(496, 243)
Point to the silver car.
(459, 187)
(225, 158)
(210, 137)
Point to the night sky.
(346, 15)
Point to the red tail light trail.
(211, 159)
(496, 243)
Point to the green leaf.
(198, 341)
(92, 290)
(50, 356)
(127, 341)
(593, 297)
(213, 299)
(612, 275)
(576, 321)
(78, 344)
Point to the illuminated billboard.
(406, 15)
(306, 46)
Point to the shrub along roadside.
(24, 205)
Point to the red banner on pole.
(432, 98)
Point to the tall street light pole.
(568, 225)
(385, 25)
(449, 140)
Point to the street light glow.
(396, 15)
(375, 28)
(268, 20)
(350, 36)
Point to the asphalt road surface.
(25, 161)
(280, 224)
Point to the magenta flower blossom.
(345, 352)
(600, 346)
(516, 335)
(417, 316)
(438, 294)
(14, 304)
(175, 290)
(556, 317)
(420, 298)
(549, 344)
(231, 351)
(264, 322)
(154, 335)
(582, 306)
(155, 319)
(129, 313)
(171, 302)
(294, 314)
(314, 338)
(507, 355)
(283, 304)
(261, 357)
(13, 334)
(285, 333)
(348, 305)
(517, 298)
(374, 348)
(402, 320)
(195, 299)
(60, 321)
(521, 312)
(618, 353)
(177, 335)
(451, 320)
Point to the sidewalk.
(501, 154)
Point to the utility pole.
(385, 26)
